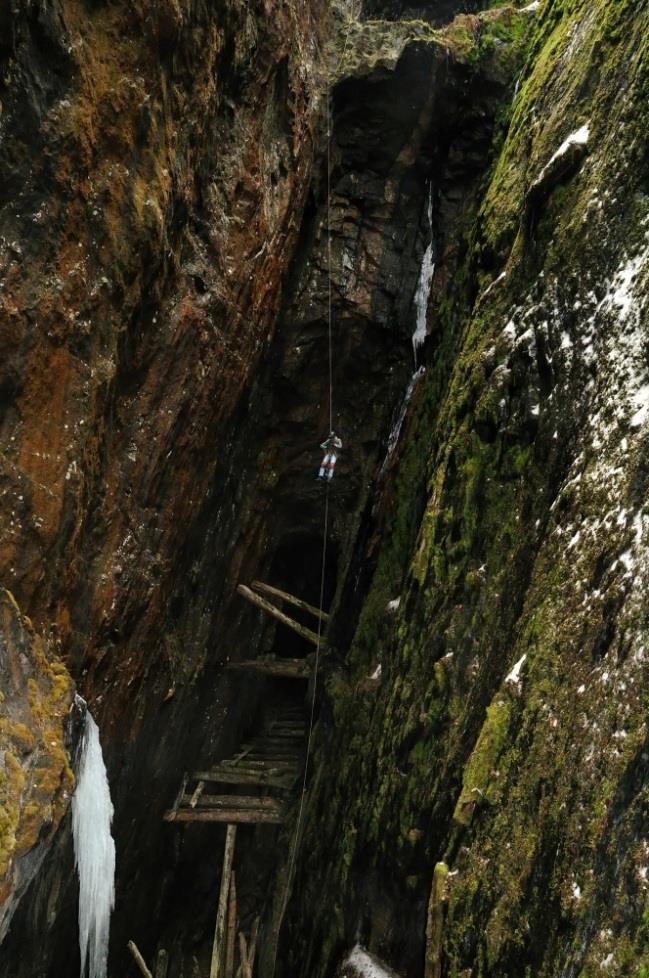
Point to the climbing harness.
(331, 447)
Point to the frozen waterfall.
(395, 433)
(94, 852)
(424, 285)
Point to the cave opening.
(296, 568)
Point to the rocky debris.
(38, 732)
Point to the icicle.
(422, 295)
(94, 852)
(393, 438)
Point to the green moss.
(480, 777)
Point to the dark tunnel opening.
(297, 569)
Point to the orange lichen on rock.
(36, 779)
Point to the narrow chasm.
(324, 524)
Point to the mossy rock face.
(491, 40)
(36, 780)
(531, 441)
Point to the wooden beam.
(162, 964)
(181, 792)
(233, 801)
(228, 856)
(243, 954)
(270, 609)
(259, 761)
(283, 668)
(278, 758)
(232, 926)
(269, 774)
(197, 794)
(290, 598)
(252, 947)
(139, 960)
(284, 733)
(239, 816)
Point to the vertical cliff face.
(155, 162)
(174, 175)
(507, 734)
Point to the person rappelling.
(331, 446)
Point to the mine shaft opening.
(297, 568)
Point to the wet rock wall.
(506, 735)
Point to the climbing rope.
(329, 317)
(325, 535)
(316, 665)
(298, 824)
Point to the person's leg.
(332, 466)
(322, 474)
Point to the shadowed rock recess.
(186, 188)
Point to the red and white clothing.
(331, 447)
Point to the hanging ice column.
(424, 285)
(395, 433)
(94, 853)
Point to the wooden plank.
(262, 773)
(228, 856)
(181, 792)
(271, 756)
(238, 801)
(162, 964)
(139, 960)
(290, 599)
(260, 762)
(243, 954)
(280, 744)
(239, 816)
(291, 724)
(284, 733)
(232, 926)
(197, 793)
(268, 775)
(240, 756)
(270, 609)
(252, 948)
(282, 668)
(295, 740)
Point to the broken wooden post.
(252, 949)
(243, 954)
(290, 598)
(270, 609)
(435, 922)
(232, 927)
(228, 856)
(139, 960)
(162, 964)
